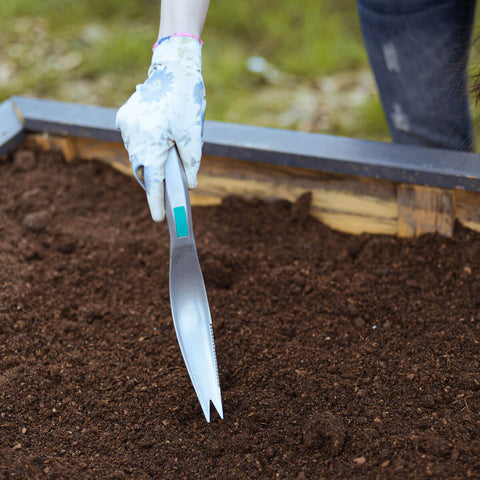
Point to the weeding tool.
(188, 297)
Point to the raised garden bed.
(339, 355)
(357, 185)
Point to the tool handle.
(177, 200)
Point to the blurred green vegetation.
(314, 74)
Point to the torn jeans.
(418, 51)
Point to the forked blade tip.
(219, 408)
(207, 409)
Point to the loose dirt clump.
(340, 356)
(326, 432)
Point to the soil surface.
(340, 356)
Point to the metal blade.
(188, 297)
(193, 325)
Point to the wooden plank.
(313, 151)
(468, 209)
(356, 224)
(347, 203)
(47, 143)
(425, 210)
(113, 153)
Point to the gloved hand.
(168, 109)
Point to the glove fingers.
(156, 201)
(151, 175)
(190, 154)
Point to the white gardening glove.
(168, 109)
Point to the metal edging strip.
(314, 151)
(11, 127)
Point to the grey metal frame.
(11, 127)
(402, 163)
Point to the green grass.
(96, 51)
(307, 37)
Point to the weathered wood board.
(347, 203)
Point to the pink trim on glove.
(156, 44)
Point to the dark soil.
(340, 356)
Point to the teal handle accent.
(181, 223)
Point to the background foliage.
(298, 65)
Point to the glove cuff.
(185, 52)
(187, 35)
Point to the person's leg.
(418, 51)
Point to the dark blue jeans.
(418, 51)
